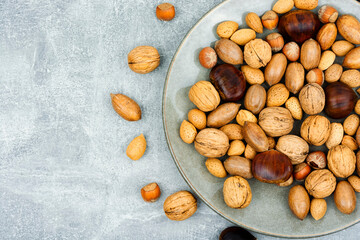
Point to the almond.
(283, 6)
(243, 36)
(293, 105)
(277, 95)
(342, 47)
(215, 167)
(327, 59)
(237, 148)
(333, 73)
(252, 75)
(187, 132)
(351, 78)
(136, 148)
(226, 29)
(318, 208)
(306, 4)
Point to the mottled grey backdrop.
(63, 169)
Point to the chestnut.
(236, 233)
(340, 100)
(299, 25)
(229, 82)
(272, 167)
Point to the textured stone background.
(63, 169)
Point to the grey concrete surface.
(63, 169)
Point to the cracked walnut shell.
(341, 161)
(257, 53)
(320, 183)
(180, 206)
(237, 192)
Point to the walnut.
(341, 161)
(143, 59)
(237, 192)
(315, 130)
(257, 53)
(212, 143)
(204, 95)
(312, 98)
(276, 121)
(180, 206)
(320, 183)
(294, 147)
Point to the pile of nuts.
(289, 76)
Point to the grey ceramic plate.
(268, 212)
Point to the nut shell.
(275, 69)
(344, 197)
(126, 107)
(187, 132)
(293, 105)
(317, 160)
(341, 161)
(310, 54)
(254, 22)
(136, 148)
(320, 183)
(229, 52)
(255, 98)
(299, 201)
(255, 137)
(294, 147)
(257, 53)
(238, 166)
(197, 118)
(222, 115)
(294, 77)
(276, 121)
(318, 208)
(315, 130)
(226, 29)
(349, 27)
(180, 206)
(312, 98)
(237, 192)
(143, 59)
(204, 95)
(211, 142)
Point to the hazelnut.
(301, 171)
(180, 206)
(276, 41)
(270, 20)
(328, 14)
(143, 59)
(315, 76)
(208, 57)
(151, 192)
(291, 51)
(316, 160)
(165, 11)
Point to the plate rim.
(168, 142)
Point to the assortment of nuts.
(144, 59)
(258, 139)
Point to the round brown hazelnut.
(317, 160)
(276, 41)
(165, 12)
(301, 171)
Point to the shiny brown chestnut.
(340, 100)
(271, 167)
(299, 25)
(229, 81)
(236, 233)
